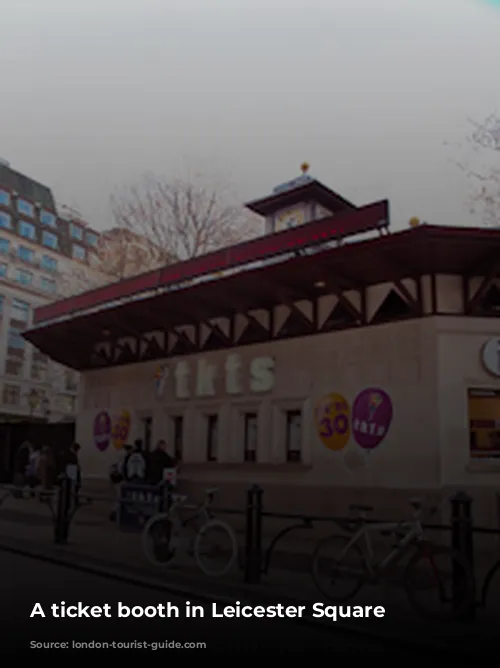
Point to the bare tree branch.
(484, 178)
(181, 218)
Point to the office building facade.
(44, 255)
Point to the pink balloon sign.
(371, 417)
(102, 430)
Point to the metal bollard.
(253, 535)
(462, 539)
(62, 520)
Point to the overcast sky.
(96, 92)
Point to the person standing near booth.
(159, 460)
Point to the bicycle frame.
(199, 511)
(413, 532)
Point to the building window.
(24, 277)
(48, 263)
(39, 372)
(25, 208)
(47, 218)
(48, 285)
(27, 230)
(25, 254)
(212, 423)
(76, 231)
(49, 240)
(11, 395)
(484, 423)
(2, 300)
(3, 270)
(70, 380)
(5, 221)
(250, 437)
(78, 252)
(91, 238)
(20, 310)
(4, 245)
(4, 198)
(15, 341)
(14, 367)
(293, 436)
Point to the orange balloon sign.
(332, 417)
(121, 428)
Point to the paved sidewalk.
(95, 542)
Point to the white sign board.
(490, 355)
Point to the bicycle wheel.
(338, 573)
(492, 581)
(215, 548)
(439, 582)
(159, 540)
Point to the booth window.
(178, 423)
(250, 437)
(212, 423)
(484, 423)
(293, 436)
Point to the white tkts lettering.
(182, 380)
(261, 377)
(233, 376)
(37, 610)
(262, 374)
(205, 379)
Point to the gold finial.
(304, 167)
(414, 222)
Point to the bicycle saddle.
(211, 490)
(361, 509)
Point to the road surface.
(26, 582)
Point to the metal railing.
(64, 503)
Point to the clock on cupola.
(298, 201)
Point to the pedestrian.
(159, 460)
(135, 465)
(117, 477)
(20, 463)
(32, 471)
(72, 468)
(47, 467)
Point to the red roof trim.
(370, 217)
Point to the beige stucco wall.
(425, 365)
(400, 358)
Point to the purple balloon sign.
(371, 417)
(102, 430)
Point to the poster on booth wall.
(332, 421)
(161, 375)
(371, 417)
(121, 429)
(102, 431)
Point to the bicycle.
(354, 563)
(492, 576)
(167, 533)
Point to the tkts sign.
(202, 378)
